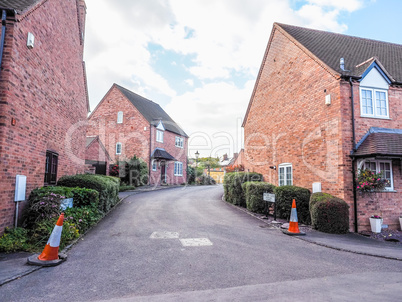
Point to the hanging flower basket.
(376, 223)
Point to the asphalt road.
(140, 252)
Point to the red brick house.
(43, 95)
(324, 106)
(129, 124)
(97, 159)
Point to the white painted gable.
(374, 79)
(160, 126)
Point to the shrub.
(233, 186)
(329, 214)
(253, 192)
(42, 205)
(284, 196)
(205, 180)
(190, 175)
(14, 240)
(83, 218)
(133, 172)
(84, 197)
(107, 186)
(126, 188)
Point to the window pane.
(367, 102)
(120, 117)
(281, 176)
(381, 103)
(289, 175)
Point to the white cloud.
(214, 111)
(225, 37)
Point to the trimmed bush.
(205, 180)
(82, 196)
(233, 186)
(107, 186)
(284, 196)
(253, 192)
(329, 214)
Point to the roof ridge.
(129, 91)
(338, 34)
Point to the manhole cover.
(164, 235)
(195, 242)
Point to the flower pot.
(375, 224)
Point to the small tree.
(133, 172)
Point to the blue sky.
(199, 58)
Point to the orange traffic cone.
(293, 223)
(50, 255)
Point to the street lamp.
(196, 163)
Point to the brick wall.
(95, 152)
(134, 134)
(387, 204)
(289, 122)
(43, 90)
(180, 154)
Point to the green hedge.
(329, 214)
(107, 186)
(233, 186)
(284, 196)
(253, 192)
(82, 196)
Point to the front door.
(163, 172)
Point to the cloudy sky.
(199, 58)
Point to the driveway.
(186, 244)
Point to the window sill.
(375, 117)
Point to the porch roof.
(382, 142)
(161, 154)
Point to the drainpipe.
(150, 153)
(3, 34)
(353, 158)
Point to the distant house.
(129, 124)
(43, 95)
(97, 159)
(324, 106)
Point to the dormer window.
(120, 117)
(374, 93)
(374, 103)
(160, 129)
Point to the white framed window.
(159, 136)
(179, 142)
(118, 148)
(285, 174)
(379, 166)
(178, 168)
(154, 165)
(374, 103)
(120, 117)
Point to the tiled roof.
(152, 112)
(330, 47)
(18, 5)
(161, 154)
(380, 142)
(89, 140)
